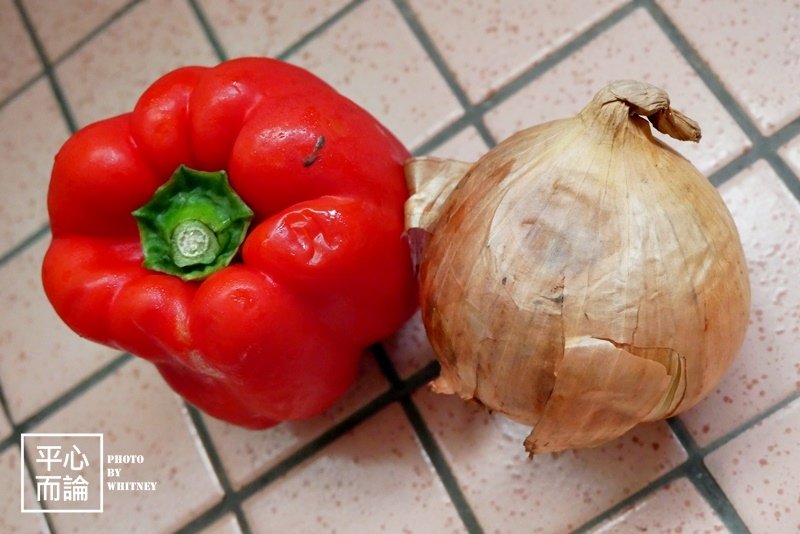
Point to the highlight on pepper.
(242, 229)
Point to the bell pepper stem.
(193, 225)
(192, 243)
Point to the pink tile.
(139, 415)
(11, 519)
(486, 44)
(61, 25)
(226, 525)
(675, 507)
(767, 369)
(373, 479)
(372, 57)
(790, 152)
(265, 28)
(551, 492)
(752, 47)
(466, 146)
(758, 472)
(31, 131)
(106, 76)
(35, 368)
(635, 48)
(18, 60)
(248, 453)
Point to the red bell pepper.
(242, 229)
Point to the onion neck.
(615, 103)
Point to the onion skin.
(581, 277)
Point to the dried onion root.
(581, 277)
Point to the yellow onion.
(581, 277)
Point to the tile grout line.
(76, 391)
(49, 72)
(377, 404)
(785, 173)
(100, 28)
(761, 145)
(635, 497)
(429, 444)
(64, 55)
(763, 150)
(309, 449)
(18, 91)
(66, 114)
(749, 424)
(318, 29)
(556, 57)
(206, 441)
(60, 401)
(697, 474)
(469, 111)
(478, 110)
(208, 30)
(703, 481)
(702, 69)
(23, 245)
(441, 466)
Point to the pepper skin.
(324, 269)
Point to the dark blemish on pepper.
(311, 158)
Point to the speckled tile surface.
(63, 25)
(31, 126)
(246, 454)
(504, 487)
(755, 471)
(357, 58)
(247, 28)
(369, 480)
(675, 507)
(18, 61)
(513, 35)
(449, 78)
(30, 376)
(105, 76)
(752, 48)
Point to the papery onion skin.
(581, 277)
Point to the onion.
(581, 277)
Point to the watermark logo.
(68, 473)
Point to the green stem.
(193, 225)
(193, 243)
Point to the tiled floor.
(450, 78)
